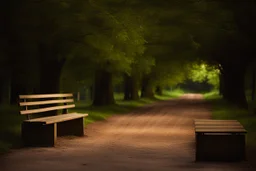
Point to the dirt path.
(158, 137)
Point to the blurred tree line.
(51, 46)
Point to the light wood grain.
(58, 118)
(38, 96)
(220, 130)
(46, 109)
(46, 102)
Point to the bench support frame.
(220, 147)
(75, 127)
(38, 134)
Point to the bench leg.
(37, 134)
(72, 127)
(220, 147)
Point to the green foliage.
(136, 37)
(115, 47)
(114, 41)
(168, 73)
(203, 72)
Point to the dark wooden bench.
(219, 140)
(43, 130)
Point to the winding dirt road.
(158, 137)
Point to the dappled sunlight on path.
(158, 137)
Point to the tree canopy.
(141, 45)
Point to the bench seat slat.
(218, 126)
(220, 130)
(230, 122)
(46, 109)
(46, 102)
(57, 118)
(217, 123)
(38, 96)
(213, 120)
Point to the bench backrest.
(41, 102)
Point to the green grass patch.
(170, 94)
(10, 119)
(10, 127)
(221, 109)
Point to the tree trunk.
(1, 93)
(50, 72)
(5, 88)
(147, 88)
(221, 84)
(131, 88)
(253, 89)
(159, 90)
(253, 83)
(91, 92)
(135, 89)
(50, 69)
(127, 87)
(103, 92)
(78, 96)
(17, 88)
(233, 88)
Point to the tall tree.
(225, 40)
(114, 48)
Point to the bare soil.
(157, 137)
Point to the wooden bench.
(43, 131)
(219, 140)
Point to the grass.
(170, 94)
(10, 124)
(10, 120)
(221, 109)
